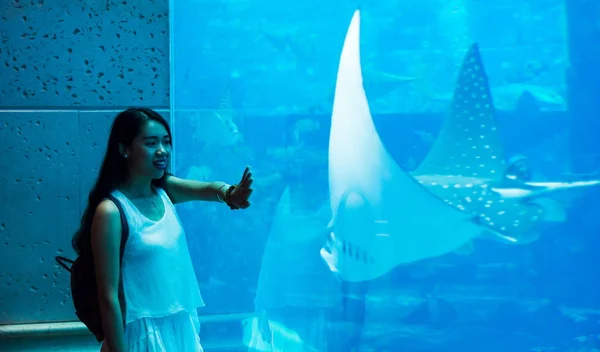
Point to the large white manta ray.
(382, 216)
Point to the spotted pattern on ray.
(512, 217)
(468, 156)
(468, 143)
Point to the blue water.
(270, 68)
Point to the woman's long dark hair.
(114, 170)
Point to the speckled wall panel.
(92, 53)
(94, 128)
(38, 213)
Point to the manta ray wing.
(468, 156)
(382, 217)
(468, 143)
(279, 218)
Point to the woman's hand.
(238, 198)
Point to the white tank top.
(157, 271)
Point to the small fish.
(515, 97)
(509, 97)
(216, 128)
(302, 53)
(380, 83)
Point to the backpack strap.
(63, 261)
(124, 226)
(124, 238)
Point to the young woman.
(160, 291)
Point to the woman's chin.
(158, 173)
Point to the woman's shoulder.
(107, 209)
(106, 224)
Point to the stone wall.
(66, 68)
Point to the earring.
(125, 156)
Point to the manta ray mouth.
(355, 214)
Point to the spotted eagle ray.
(382, 216)
(466, 165)
(467, 157)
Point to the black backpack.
(83, 282)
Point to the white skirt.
(178, 332)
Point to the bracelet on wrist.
(227, 197)
(219, 198)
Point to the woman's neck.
(139, 189)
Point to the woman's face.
(149, 153)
